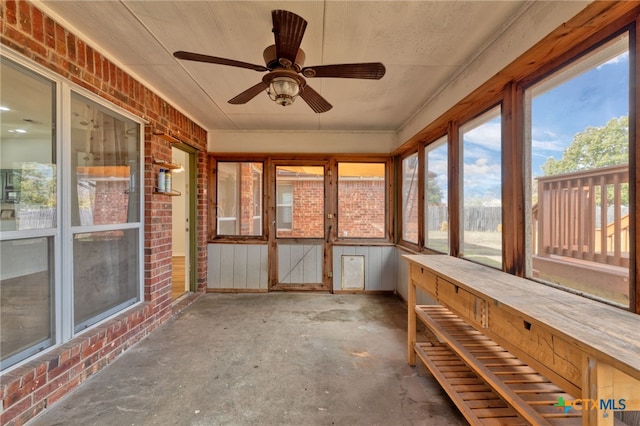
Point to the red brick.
(81, 52)
(49, 32)
(26, 390)
(89, 59)
(62, 390)
(37, 25)
(12, 413)
(24, 16)
(10, 11)
(61, 40)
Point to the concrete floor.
(266, 359)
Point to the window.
(361, 200)
(481, 236)
(436, 223)
(105, 157)
(239, 203)
(28, 228)
(99, 236)
(579, 235)
(285, 206)
(410, 198)
(300, 201)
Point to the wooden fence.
(582, 215)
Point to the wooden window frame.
(594, 25)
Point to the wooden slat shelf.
(503, 326)
(167, 164)
(489, 385)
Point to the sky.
(589, 99)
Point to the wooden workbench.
(589, 349)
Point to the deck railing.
(584, 215)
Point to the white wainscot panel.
(237, 266)
(379, 266)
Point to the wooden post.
(411, 322)
(606, 390)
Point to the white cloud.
(488, 135)
(438, 167)
(624, 57)
(548, 145)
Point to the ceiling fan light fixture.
(283, 90)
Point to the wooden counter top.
(609, 333)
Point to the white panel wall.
(238, 266)
(245, 266)
(300, 263)
(379, 266)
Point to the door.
(182, 242)
(300, 227)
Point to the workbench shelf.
(508, 350)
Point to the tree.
(37, 185)
(595, 147)
(434, 192)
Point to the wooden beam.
(513, 181)
(634, 176)
(455, 177)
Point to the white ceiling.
(423, 44)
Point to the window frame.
(213, 199)
(507, 88)
(268, 192)
(289, 205)
(472, 122)
(443, 140)
(539, 78)
(60, 237)
(386, 184)
(419, 153)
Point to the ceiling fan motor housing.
(273, 62)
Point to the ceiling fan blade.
(369, 70)
(288, 30)
(314, 100)
(215, 60)
(249, 94)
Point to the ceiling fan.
(284, 60)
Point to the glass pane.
(579, 140)
(27, 149)
(300, 201)
(482, 189)
(105, 154)
(361, 200)
(239, 192)
(105, 273)
(436, 224)
(410, 198)
(26, 290)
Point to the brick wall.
(308, 210)
(111, 202)
(361, 211)
(30, 388)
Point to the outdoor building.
(120, 208)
